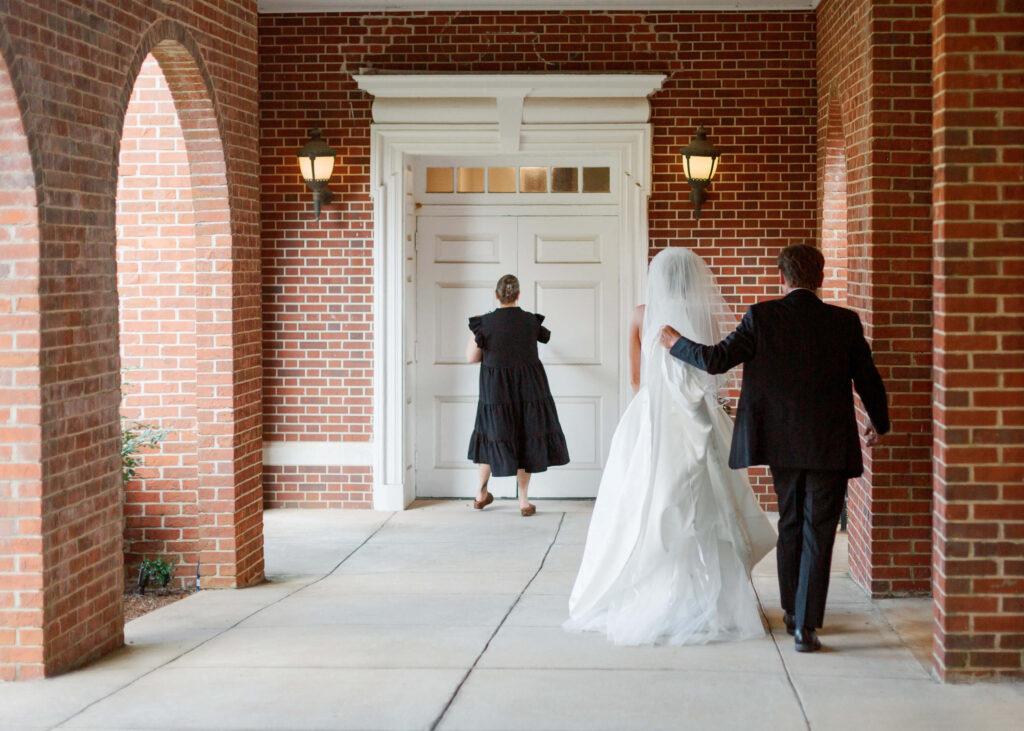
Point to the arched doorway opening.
(175, 282)
(156, 287)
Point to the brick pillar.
(874, 58)
(897, 294)
(978, 558)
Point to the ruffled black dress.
(516, 422)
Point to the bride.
(675, 532)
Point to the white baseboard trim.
(318, 454)
(390, 496)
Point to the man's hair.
(802, 266)
(507, 289)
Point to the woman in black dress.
(517, 430)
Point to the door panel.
(567, 266)
(458, 261)
(572, 264)
(576, 314)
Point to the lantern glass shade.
(699, 167)
(316, 159)
(316, 168)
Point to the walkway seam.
(290, 594)
(455, 693)
(782, 659)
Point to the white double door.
(568, 269)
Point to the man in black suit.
(796, 415)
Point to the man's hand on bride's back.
(668, 336)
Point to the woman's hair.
(803, 266)
(507, 289)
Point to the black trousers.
(810, 505)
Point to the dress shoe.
(528, 510)
(481, 504)
(790, 620)
(807, 640)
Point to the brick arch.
(228, 492)
(21, 533)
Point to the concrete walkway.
(445, 617)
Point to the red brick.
(76, 117)
(978, 260)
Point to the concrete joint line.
(782, 659)
(455, 693)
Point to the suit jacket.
(796, 405)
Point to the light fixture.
(316, 163)
(700, 160)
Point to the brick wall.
(748, 77)
(874, 74)
(979, 347)
(21, 540)
(156, 290)
(73, 67)
(333, 486)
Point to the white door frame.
(392, 150)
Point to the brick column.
(978, 558)
(874, 64)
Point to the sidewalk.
(445, 617)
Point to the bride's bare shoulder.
(636, 321)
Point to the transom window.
(518, 179)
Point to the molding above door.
(510, 100)
(378, 6)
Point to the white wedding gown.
(675, 531)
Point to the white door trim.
(392, 148)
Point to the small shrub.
(156, 572)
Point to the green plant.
(134, 438)
(155, 571)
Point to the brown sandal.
(481, 504)
(528, 510)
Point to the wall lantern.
(700, 159)
(316, 163)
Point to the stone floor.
(449, 618)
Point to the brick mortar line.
(349, 555)
(455, 693)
